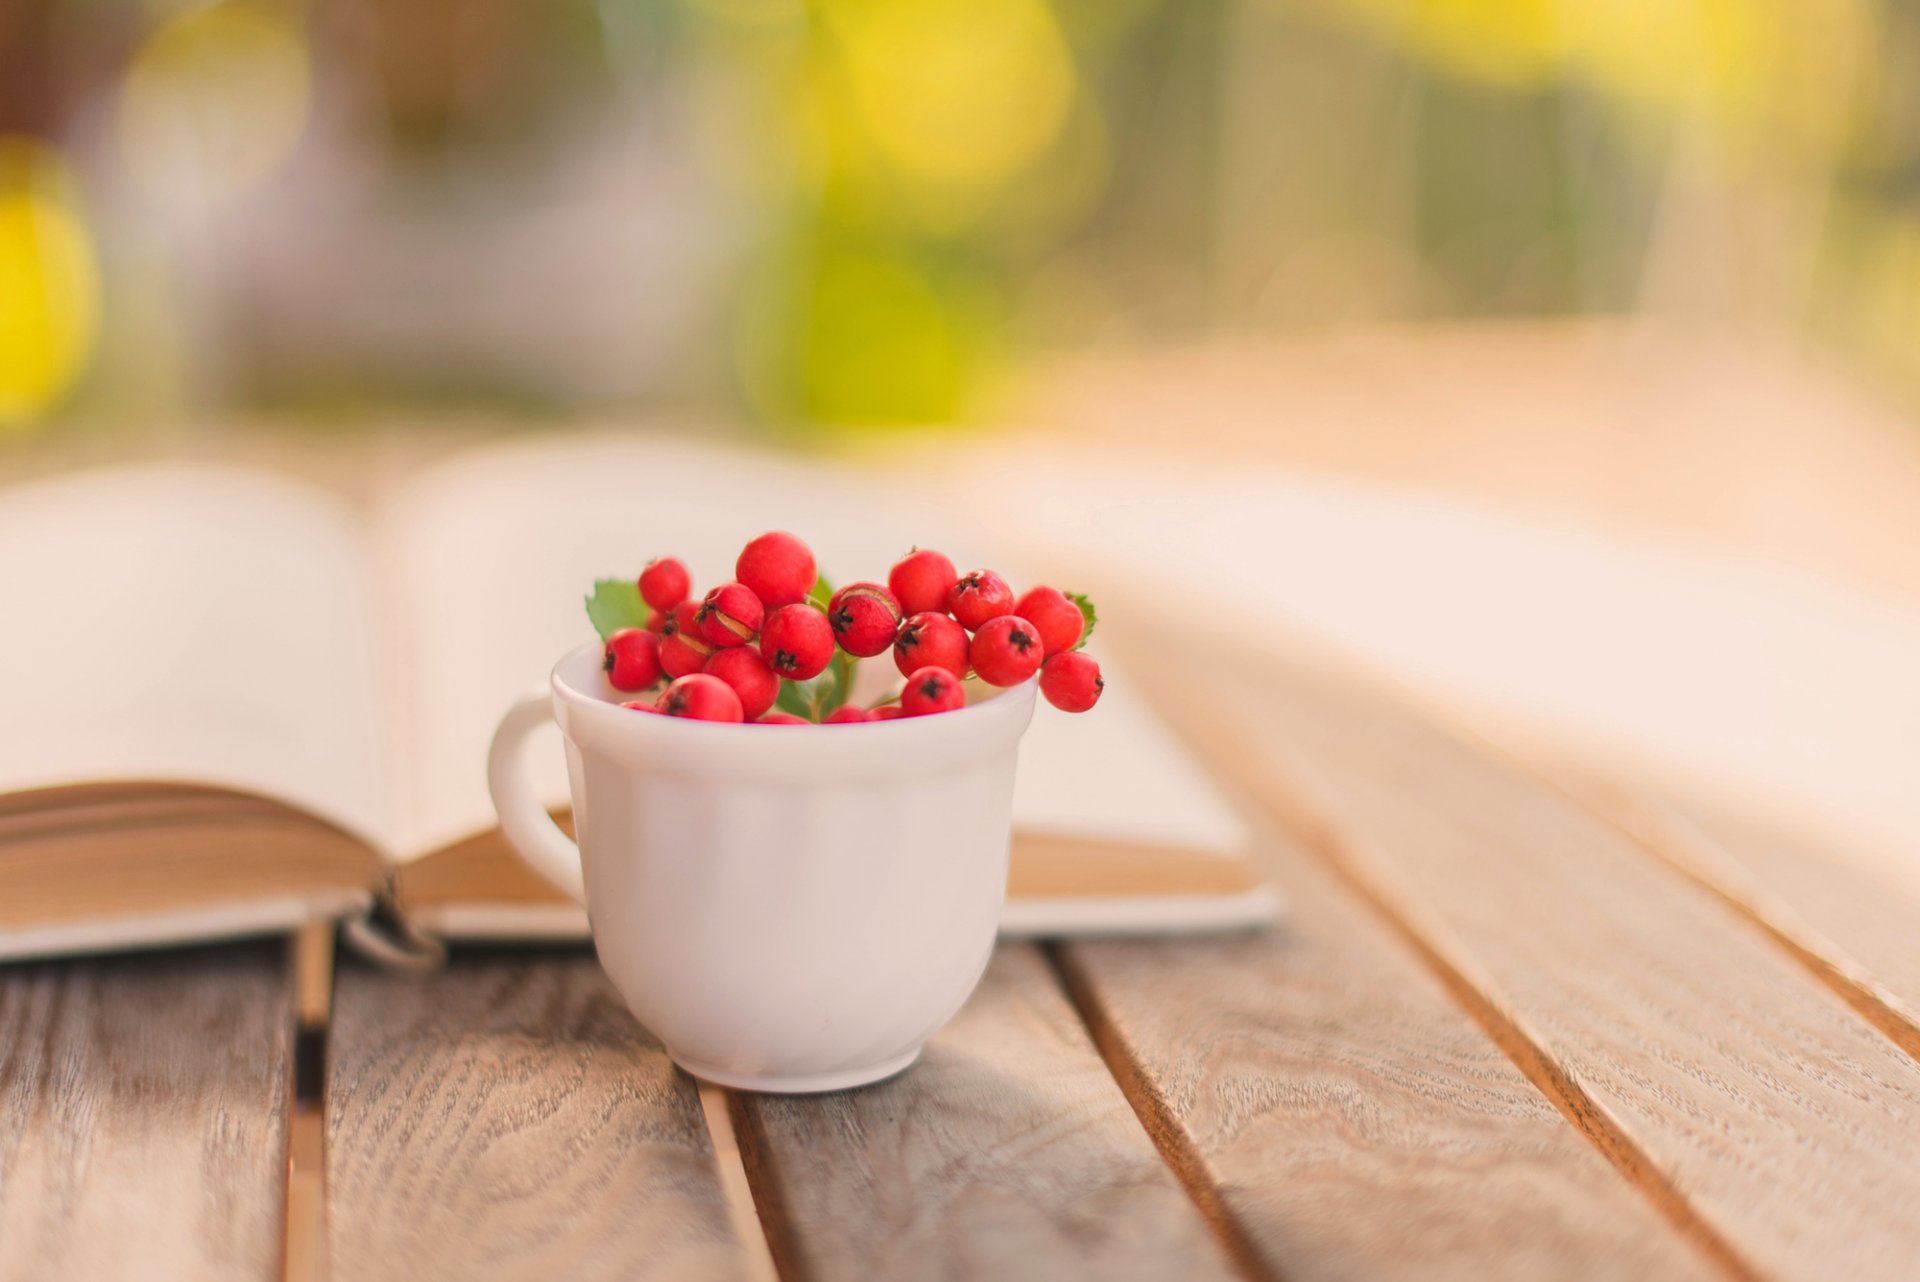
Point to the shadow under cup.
(791, 908)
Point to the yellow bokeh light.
(863, 336)
(1768, 73)
(1712, 57)
(1512, 43)
(957, 93)
(49, 284)
(1508, 42)
(216, 99)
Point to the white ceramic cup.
(787, 908)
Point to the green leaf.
(796, 698)
(822, 592)
(616, 604)
(839, 683)
(1087, 612)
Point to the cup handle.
(529, 829)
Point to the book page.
(191, 624)
(495, 551)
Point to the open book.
(233, 704)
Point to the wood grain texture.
(141, 1115)
(1007, 1152)
(1851, 919)
(1741, 1095)
(1873, 917)
(1354, 1121)
(507, 1118)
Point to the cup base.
(800, 1083)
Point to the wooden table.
(1509, 1029)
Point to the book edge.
(213, 923)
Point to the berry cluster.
(776, 645)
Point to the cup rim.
(1014, 704)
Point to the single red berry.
(683, 651)
(891, 712)
(932, 690)
(978, 596)
(1006, 651)
(1057, 618)
(639, 705)
(782, 719)
(797, 641)
(730, 615)
(1071, 681)
(751, 679)
(933, 638)
(632, 659)
(700, 697)
(664, 583)
(657, 621)
(864, 616)
(777, 568)
(919, 581)
(847, 714)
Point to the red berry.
(933, 638)
(976, 597)
(777, 568)
(730, 615)
(664, 583)
(1071, 681)
(657, 621)
(932, 690)
(797, 641)
(751, 679)
(1057, 619)
(1006, 651)
(847, 714)
(920, 581)
(782, 719)
(632, 659)
(864, 616)
(639, 705)
(683, 651)
(700, 697)
(891, 712)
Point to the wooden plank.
(1874, 917)
(1742, 1096)
(1354, 1122)
(142, 1115)
(1006, 1152)
(507, 1118)
(1851, 919)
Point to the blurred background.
(856, 213)
(1646, 271)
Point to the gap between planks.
(1233, 755)
(1681, 846)
(1673, 842)
(744, 1210)
(1168, 1136)
(303, 1259)
(1007, 1150)
(1700, 858)
(303, 1243)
